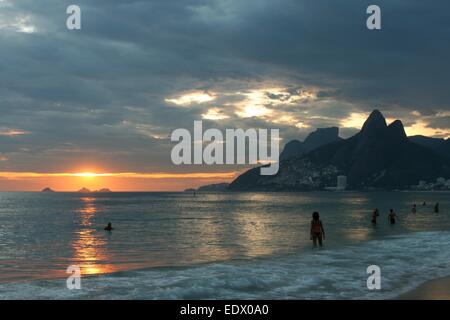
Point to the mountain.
(320, 137)
(84, 190)
(47, 190)
(440, 146)
(295, 174)
(379, 156)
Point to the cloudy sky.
(106, 98)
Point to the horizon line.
(14, 175)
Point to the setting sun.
(89, 174)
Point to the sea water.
(219, 245)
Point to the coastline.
(436, 289)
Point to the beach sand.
(438, 289)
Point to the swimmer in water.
(109, 227)
(436, 208)
(317, 231)
(392, 216)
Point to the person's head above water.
(109, 224)
(315, 215)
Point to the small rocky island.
(47, 190)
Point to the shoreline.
(436, 289)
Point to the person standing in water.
(317, 231)
(414, 208)
(392, 216)
(375, 215)
(436, 208)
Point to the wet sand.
(438, 289)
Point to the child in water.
(317, 231)
(392, 216)
(414, 209)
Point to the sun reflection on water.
(89, 244)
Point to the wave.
(406, 261)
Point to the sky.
(105, 99)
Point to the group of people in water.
(317, 232)
(392, 216)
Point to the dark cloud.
(99, 94)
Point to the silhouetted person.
(414, 208)
(109, 227)
(392, 216)
(436, 208)
(317, 231)
(375, 215)
(424, 203)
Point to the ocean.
(219, 245)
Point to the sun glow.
(115, 181)
(155, 175)
(90, 174)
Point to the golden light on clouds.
(354, 120)
(192, 97)
(301, 125)
(276, 96)
(214, 114)
(263, 103)
(252, 110)
(266, 102)
(284, 118)
(12, 132)
(421, 128)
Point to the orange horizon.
(11, 181)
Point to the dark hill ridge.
(379, 156)
(440, 146)
(320, 137)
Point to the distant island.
(47, 190)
